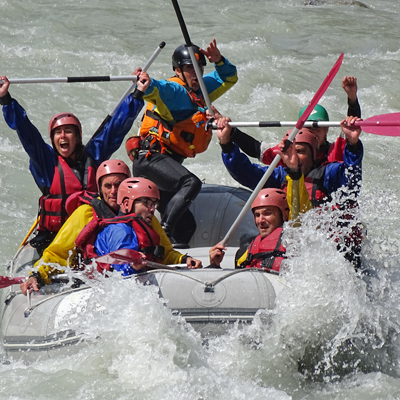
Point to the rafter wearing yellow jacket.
(62, 252)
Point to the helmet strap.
(183, 77)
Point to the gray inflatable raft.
(209, 299)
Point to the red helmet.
(306, 136)
(111, 167)
(135, 188)
(64, 119)
(132, 146)
(272, 197)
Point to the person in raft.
(327, 152)
(320, 181)
(174, 128)
(67, 166)
(270, 210)
(138, 198)
(85, 206)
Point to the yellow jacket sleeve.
(171, 256)
(297, 197)
(61, 250)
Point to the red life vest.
(187, 138)
(331, 152)
(65, 182)
(148, 239)
(266, 253)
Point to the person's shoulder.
(84, 212)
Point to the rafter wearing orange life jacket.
(66, 181)
(148, 239)
(187, 138)
(266, 253)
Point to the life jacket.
(266, 253)
(66, 181)
(148, 239)
(314, 183)
(187, 137)
(331, 152)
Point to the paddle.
(130, 88)
(121, 256)
(73, 79)
(124, 256)
(189, 45)
(6, 281)
(30, 232)
(298, 126)
(384, 124)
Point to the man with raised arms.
(174, 129)
(67, 166)
(327, 152)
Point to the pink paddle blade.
(6, 281)
(384, 124)
(325, 84)
(121, 256)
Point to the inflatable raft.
(209, 299)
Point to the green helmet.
(318, 114)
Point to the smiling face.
(65, 139)
(188, 74)
(109, 189)
(267, 219)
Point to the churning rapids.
(332, 335)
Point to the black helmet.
(181, 56)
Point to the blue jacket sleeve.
(220, 80)
(42, 159)
(347, 174)
(109, 139)
(248, 174)
(116, 237)
(172, 100)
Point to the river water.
(329, 337)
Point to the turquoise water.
(283, 51)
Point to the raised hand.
(212, 53)
(349, 84)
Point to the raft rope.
(210, 285)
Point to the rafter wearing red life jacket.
(66, 181)
(148, 239)
(266, 253)
(187, 138)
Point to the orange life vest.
(187, 138)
